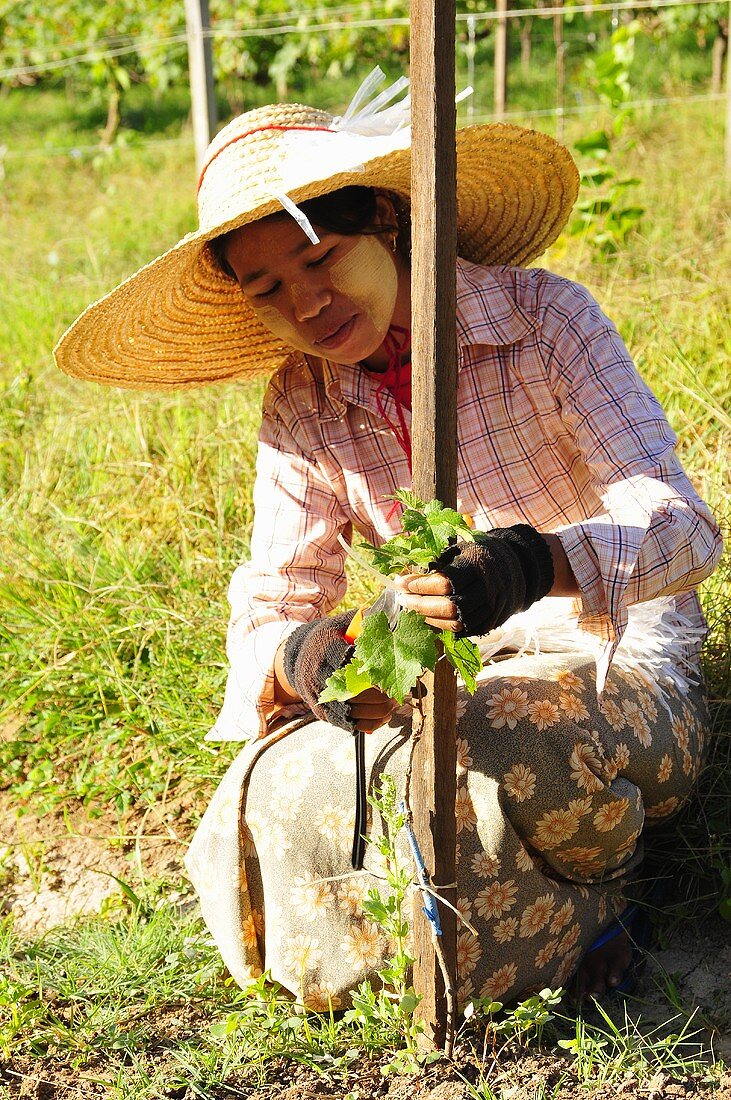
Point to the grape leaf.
(393, 556)
(464, 655)
(427, 531)
(436, 525)
(345, 683)
(394, 660)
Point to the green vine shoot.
(393, 660)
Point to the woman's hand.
(476, 586)
(430, 594)
(306, 660)
(371, 709)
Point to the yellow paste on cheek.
(367, 276)
(277, 324)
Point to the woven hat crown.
(244, 162)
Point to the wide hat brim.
(180, 322)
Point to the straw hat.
(180, 322)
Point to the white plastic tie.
(375, 118)
(371, 126)
(299, 216)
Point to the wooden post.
(434, 446)
(501, 60)
(200, 67)
(560, 45)
(728, 97)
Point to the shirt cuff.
(586, 569)
(249, 710)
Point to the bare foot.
(602, 970)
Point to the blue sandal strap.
(622, 923)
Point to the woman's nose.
(309, 299)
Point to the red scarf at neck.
(397, 380)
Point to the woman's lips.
(335, 339)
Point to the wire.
(126, 43)
(262, 30)
(554, 112)
(77, 150)
(94, 55)
(585, 9)
(584, 108)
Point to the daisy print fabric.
(555, 792)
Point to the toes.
(618, 967)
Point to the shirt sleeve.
(655, 536)
(295, 574)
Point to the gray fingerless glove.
(501, 572)
(311, 654)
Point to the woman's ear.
(385, 210)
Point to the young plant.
(394, 659)
(390, 1009)
(524, 1023)
(603, 217)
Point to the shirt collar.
(487, 313)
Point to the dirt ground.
(59, 866)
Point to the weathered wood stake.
(200, 66)
(500, 62)
(434, 442)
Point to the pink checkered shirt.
(556, 429)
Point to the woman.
(566, 466)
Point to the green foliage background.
(103, 51)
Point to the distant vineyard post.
(200, 64)
(500, 94)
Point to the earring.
(393, 242)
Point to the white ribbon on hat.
(369, 128)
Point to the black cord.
(361, 803)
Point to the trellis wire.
(146, 143)
(262, 30)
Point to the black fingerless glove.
(311, 654)
(501, 572)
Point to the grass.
(122, 517)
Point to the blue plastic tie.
(430, 907)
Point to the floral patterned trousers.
(554, 794)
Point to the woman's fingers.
(371, 709)
(429, 594)
(372, 695)
(427, 584)
(452, 624)
(438, 610)
(431, 607)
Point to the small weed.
(523, 1024)
(387, 1014)
(31, 859)
(608, 1052)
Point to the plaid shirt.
(555, 428)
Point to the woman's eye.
(268, 293)
(321, 259)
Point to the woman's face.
(335, 299)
